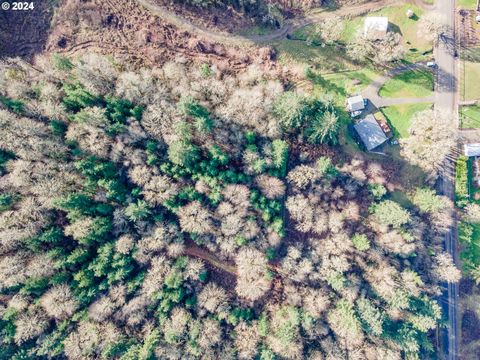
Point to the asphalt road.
(445, 101)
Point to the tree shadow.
(470, 54)
(318, 79)
(394, 28)
(446, 82)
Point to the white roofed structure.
(472, 149)
(355, 103)
(375, 27)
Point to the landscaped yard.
(415, 83)
(470, 117)
(400, 117)
(470, 84)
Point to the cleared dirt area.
(125, 29)
(24, 33)
(121, 28)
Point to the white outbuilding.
(472, 149)
(375, 27)
(355, 103)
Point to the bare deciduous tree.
(431, 139)
(252, 279)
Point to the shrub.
(427, 201)
(389, 213)
(461, 182)
(137, 211)
(377, 190)
(361, 242)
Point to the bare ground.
(127, 30)
(24, 33)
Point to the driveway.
(372, 91)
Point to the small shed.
(472, 149)
(370, 132)
(355, 103)
(375, 27)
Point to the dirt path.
(194, 250)
(288, 27)
(372, 91)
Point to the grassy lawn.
(325, 59)
(470, 117)
(400, 117)
(467, 4)
(341, 84)
(399, 22)
(408, 84)
(470, 80)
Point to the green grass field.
(467, 4)
(400, 117)
(300, 52)
(470, 117)
(399, 22)
(351, 81)
(408, 84)
(470, 80)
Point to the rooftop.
(472, 149)
(370, 132)
(375, 26)
(355, 103)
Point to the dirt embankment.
(24, 32)
(121, 28)
(124, 29)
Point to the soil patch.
(24, 32)
(130, 32)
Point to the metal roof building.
(355, 103)
(471, 149)
(370, 132)
(375, 27)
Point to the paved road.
(371, 91)
(445, 100)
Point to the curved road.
(372, 91)
(288, 27)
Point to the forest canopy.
(169, 214)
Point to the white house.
(471, 149)
(355, 103)
(375, 27)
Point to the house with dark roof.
(370, 132)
